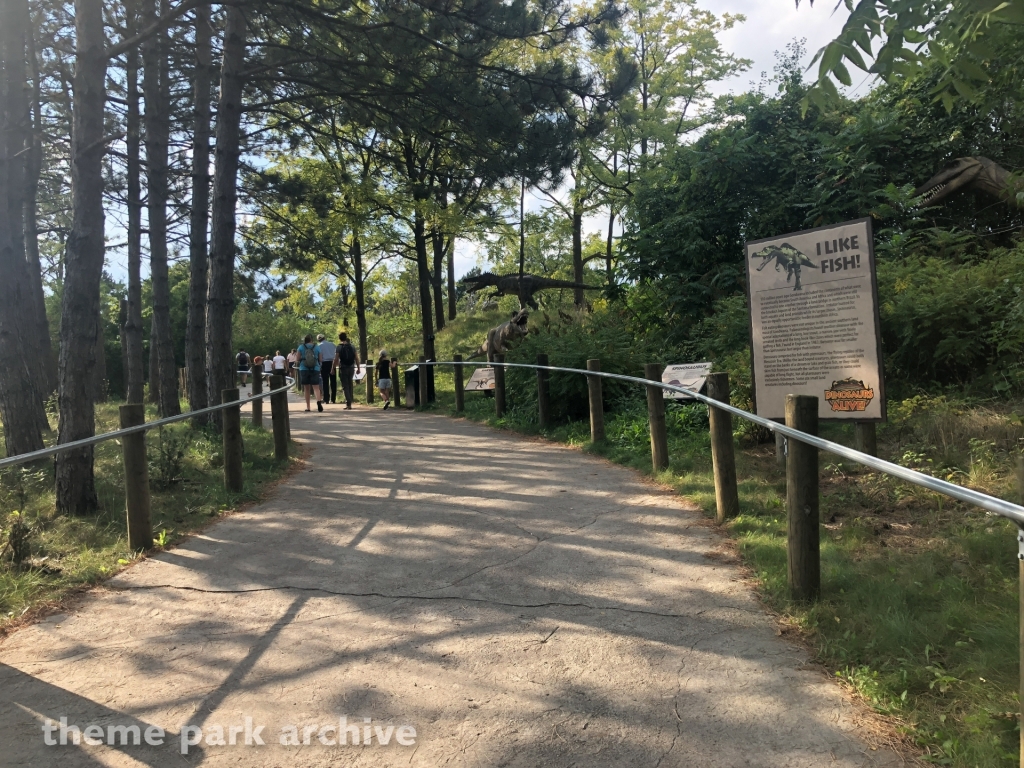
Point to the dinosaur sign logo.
(849, 395)
(785, 257)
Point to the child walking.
(384, 377)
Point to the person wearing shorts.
(384, 377)
(309, 371)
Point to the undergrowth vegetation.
(45, 556)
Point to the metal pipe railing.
(997, 506)
(25, 458)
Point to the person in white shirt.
(327, 370)
(280, 364)
(268, 365)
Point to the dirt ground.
(512, 602)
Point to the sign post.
(814, 322)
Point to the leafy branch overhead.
(969, 44)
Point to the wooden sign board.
(814, 322)
(690, 376)
(482, 379)
(360, 375)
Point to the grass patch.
(66, 553)
(919, 613)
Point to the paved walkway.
(516, 602)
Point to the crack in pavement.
(420, 596)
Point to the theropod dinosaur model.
(978, 173)
(511, 285)
(499, 337)
(786, 257)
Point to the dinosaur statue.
(509, 285)
(978, 173)
(787, 257)
(499, 337)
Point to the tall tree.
(41, 341)
(220, 295)
(20, 405)
(80, 305)
(199, 263)
(156, 89)
(134, 364)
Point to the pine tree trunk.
(609, 275)
(220, 295)
(358, 279)
(156, 90)
(423, 269)
(437, 278)
(133, 332)
(154, 366)
(76, 491)
(48, 362)
(199, 264)
(19, 400)
(451, 282)
(577, 252)
(99, 376)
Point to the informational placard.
(360, 373)
(814, 322)
(691, 376)
(482, 379)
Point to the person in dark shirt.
(384, 377)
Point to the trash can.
(412, 386)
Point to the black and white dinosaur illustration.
(511, 285)
(785, 257)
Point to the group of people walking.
(317, 366)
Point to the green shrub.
(569, 342)
(954, 323)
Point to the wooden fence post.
(136, 478)
(257, 388)
(460, 386)
(656, 416)
(865, 438)
(499, 386)
(396, 390)
(421, 379)
(543, 394)
(232, 434)
(278, 417)
(371, 369)
(723, 458)
(802, 500)
(596, 392)
(780, 449)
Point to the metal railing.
(25, 458)
(1009, 510)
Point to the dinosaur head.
(517, 325)
(960, 174)
(481, 281)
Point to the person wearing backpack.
(243, 366)
(347, 360)
(309, 370)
